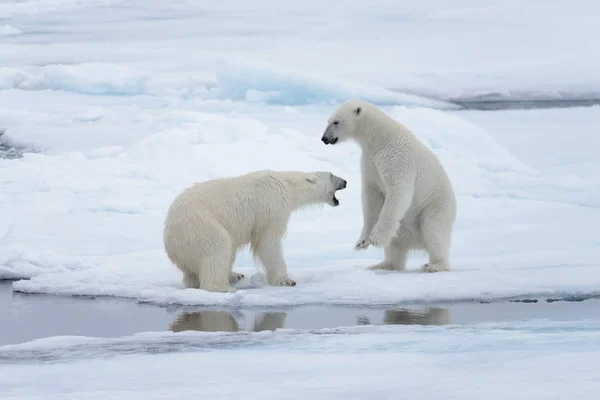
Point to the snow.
(538, 358)
(119, 106)
(89, 78)
(535, 334)
(99, 233)
(520, 131)
(345, 284)
(8, 30)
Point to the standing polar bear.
(210, 221)
(408, 200)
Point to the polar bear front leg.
(372, 203)
(394, 208)
(399, 190)
(269, 251)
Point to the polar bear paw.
(435, 267)
(235, 277)
(379, 238)
(362, 243)
(283, 281)
(382, 267)
(219, 289)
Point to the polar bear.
(407, 198)
(210, 221)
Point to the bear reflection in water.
(429, 316)
(224, 321)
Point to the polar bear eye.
(336, 122)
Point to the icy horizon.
(309, 54)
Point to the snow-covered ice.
(534, 334)
(8, 30)
(89, 221)
(125, 104)
(525, 360)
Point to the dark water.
(25, 317)
(496, 105)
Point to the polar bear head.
(322, 187)
(345, 123)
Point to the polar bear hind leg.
(190, 280)
(214, 272)
(396, 252)
(436, 231)
(216, 265)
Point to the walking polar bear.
(408, 200)
(210, 221)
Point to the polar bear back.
(239, 204)
(432, 183)
(400, 148)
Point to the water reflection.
(405, 316)
(305, 318)
(207, 321)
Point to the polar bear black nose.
(324, 140)
(344, 184)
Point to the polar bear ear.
(357, 110)
(312, 179)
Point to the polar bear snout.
(338, 183)
(327, 140)
(329, 137)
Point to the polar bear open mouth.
(334, 199)
(338, 184)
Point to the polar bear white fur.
(210, 221)
(408, 199)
